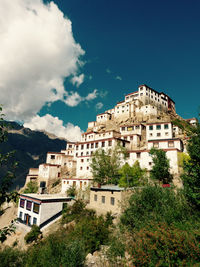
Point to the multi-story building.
(141, 121)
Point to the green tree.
(6, 159)
(131, 176)
(191, 168)
(105, 165)
(31, 187)
(160, 169)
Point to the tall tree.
(191, 168)
(160, 169)
(105, 165)
(131, 175)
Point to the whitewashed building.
(40, 209)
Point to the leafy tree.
(160, 170)
(191, 168)
(6, 159)
(71, 191)
(33, 234)
(105, 165)
(131, 176)
(31, 187)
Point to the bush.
(57, 250)
(10, 257)
(31, 187)
(155, 204)
(163, 246)
(71, 191)
(33, 234)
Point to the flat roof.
(108, 188)
(46, 196)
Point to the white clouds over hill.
(38, 52)
(54, 125)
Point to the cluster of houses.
(141, 121)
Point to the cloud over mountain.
(55, 125)
(38, 52)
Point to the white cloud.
(118, 78)
(55, 125)
(92, 95)
(72, 99)
(78, 80)
(103, 94)
(37, 52)
(99, 106)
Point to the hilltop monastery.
(139, 122)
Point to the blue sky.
(152, 42)
(128, 43)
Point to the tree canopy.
(160, 169)
(131, 175)
(105, 165)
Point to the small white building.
(40, 209)
(75, 182)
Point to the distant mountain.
(30, 149)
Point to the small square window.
(151, 127)
(158, 127)
(112, 201)
(138, 155)
(166, 126)
(52, 156)
(171, 144)
(20, 215)
(82, 160)
(22, 202)
(34, 220)
(166, 134)
(158, 134)
(156, 144)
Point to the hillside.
(30, 149)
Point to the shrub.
(31, 187)
(33, 234)
(153, 203)
(163, 246)
(71, 191)
(10, 257)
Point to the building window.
(76, 147)
(158, 134)
(156, 144)
(20, 215)
(95, 197)
(28, 205)
(158, 127)
(67, 182)
(123, 128)
(52, 156)
(112, 201)
(82, 160)
(34, 220)
(131, 137)
(150, 134)
(81, 153)
(166, 134)
(166, 126)
(92, 145)
(81, 168)
(87, 153)
(88, 146)
(82, 146)
(88, 160)
(150, 163)
(103, 144)
(103, 198)
(22, 202)
(151, 127)
(87, 168)
(96, 145)
(36, 208)
(138, 154)
(109, 143)
(171, 144)
(129, 128)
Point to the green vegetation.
(160, 169)
(131, 176)
(191, 168)
(33, 234)
(71, 191)
(31, 187)
(105, 165)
